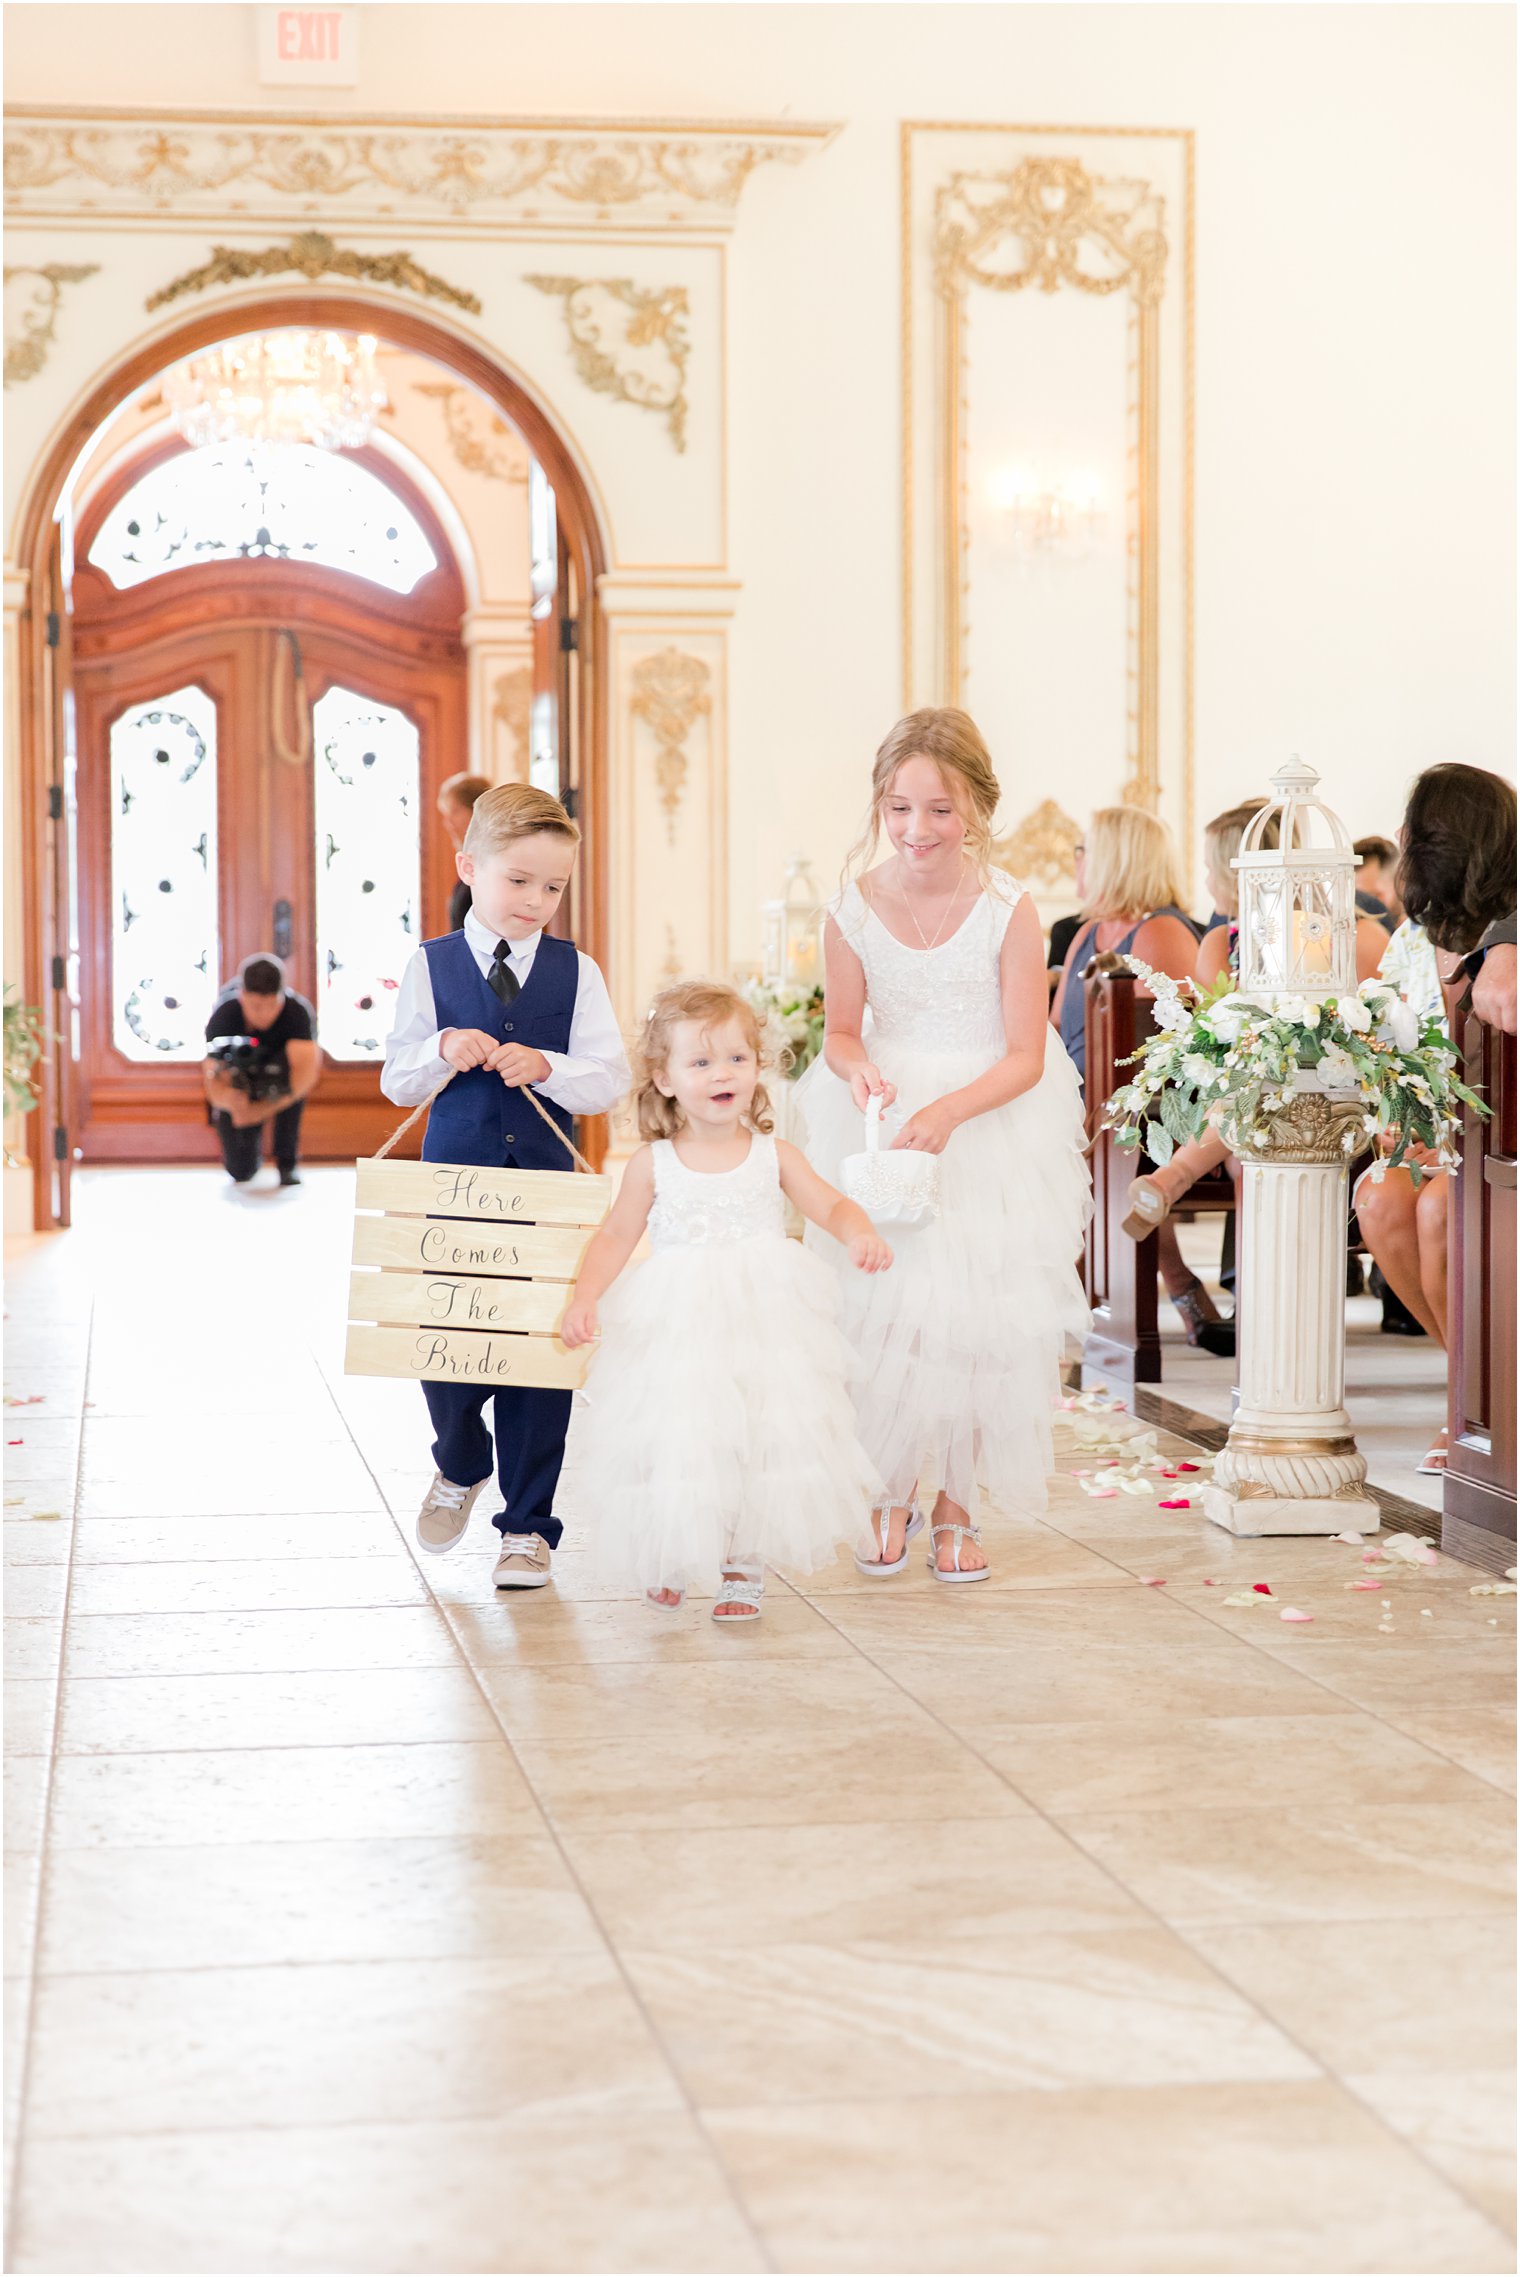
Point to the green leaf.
(1158, 1143)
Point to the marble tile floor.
(358, 1920)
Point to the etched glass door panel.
(366, 766)
(165, 940)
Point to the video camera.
(249, 1067)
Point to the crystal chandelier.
(280, 387)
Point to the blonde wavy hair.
(515, 810)
(1222, 839)
(953, 741)
(1131, 864)
(711, 1003)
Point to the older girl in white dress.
(937, 1002)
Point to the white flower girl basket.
(893, 1188)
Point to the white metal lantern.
(794, 931)
(1298, 898)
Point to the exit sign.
(309, 47)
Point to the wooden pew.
(1120, 1275)
(1478, 1503)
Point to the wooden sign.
(467, 1272)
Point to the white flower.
(1401, 1024)
(1295, 1011)
(1227, 1018)
(1353, 1014)
(1196, 1069)
(1338, 1068)
(1172, 1013)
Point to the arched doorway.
(358, 654)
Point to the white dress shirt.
(585, 1080)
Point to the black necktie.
(502, 978)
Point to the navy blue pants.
(530, 1427)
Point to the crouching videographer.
(261, 1061)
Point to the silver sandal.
(976, 1573)
(740, 1588)
(881, 1518)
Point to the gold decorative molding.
(312, 253)
(1048, 223)
(672, 968)
(512, 711)
(1048, 260)
(480, 439)
(628, 342)
(1313, 1127)
(512, 173)
(670, 694)
(36, 314)
(1042, 849)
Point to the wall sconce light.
(1046, 514)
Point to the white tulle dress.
(716, 1426)
(961, 1341)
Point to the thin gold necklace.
(945, 917)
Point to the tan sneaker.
(445, 1514)
(524, 1562)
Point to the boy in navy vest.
(504, 1003)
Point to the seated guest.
(264, 1079)
(1377, 892)
(1062, 934)
(1491, 968)
(1127, 878)
(456, 803)
(1456, 880)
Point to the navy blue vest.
(479, 1118)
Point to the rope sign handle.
(536, 1104)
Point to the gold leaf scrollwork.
(311, 253)
(480, 439)
(1043, 847)
(511, 710)
(1311, 1128)
(628, 342)
(671, 692)
(502, 171)
(31, 313)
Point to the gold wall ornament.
(1042, 848)
(512, 711)
(1045, 224)
(481, 440)
(31, 313)
(1313, 1127)
(672, 968)
(628, 342)
(222, 166)
(671, 692)
(312, 253)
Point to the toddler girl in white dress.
(716, 1433)
(937, 1001)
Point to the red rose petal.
(1177, 1502)
(1262, 1588)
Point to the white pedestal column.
(1291, 1465)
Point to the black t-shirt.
(295, 1025)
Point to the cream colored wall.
(1355, 356)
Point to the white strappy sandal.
(745, 1589)
(957, 1572)
(881, 1519)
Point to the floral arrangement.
(1221, 1058)
(792, 1017)
(23, 1049)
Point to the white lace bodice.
(693, 1206)
(947, 998)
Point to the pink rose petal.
(1292, 1613)
(1177, 1502)
(1150, 1580)
(1368, 1581)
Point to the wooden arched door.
(260, 742)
